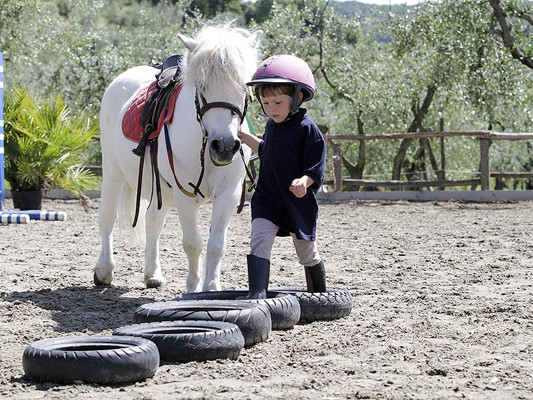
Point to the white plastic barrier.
(14, 218)
(41, 214)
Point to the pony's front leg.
(223, 210)
(107, 216)
(155, 219)
(192, 244)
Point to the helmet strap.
(296, 100)
(258, 97)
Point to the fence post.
(336, 162)
(2, 174)
(442, 175)
(484, 163)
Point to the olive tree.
(76, 47)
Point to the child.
(293, 158)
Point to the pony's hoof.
(102, 279)
(154, 283)
(195, 286)
(212, 287)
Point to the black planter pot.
(27, 200)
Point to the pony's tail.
(126, 215)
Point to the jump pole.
(39, 214)
(14, 218)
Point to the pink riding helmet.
(286, 69)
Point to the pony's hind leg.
(155, 219)
(107, 216)
(192, 245)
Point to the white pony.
(218, 63)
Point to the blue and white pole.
(2, 175)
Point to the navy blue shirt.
(290, 150)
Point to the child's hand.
(249, 139)
(299, 186)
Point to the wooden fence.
(412, 189)
(484, 138)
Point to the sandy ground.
(443, 305)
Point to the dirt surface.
(443, 305)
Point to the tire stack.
(253, 320)
(192, 327)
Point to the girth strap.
(153, 143)
(139, 186)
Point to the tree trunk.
(432, 159)
(442, 175)
(356, 171)
(508, 40)
(419, 113)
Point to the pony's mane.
(223, 58)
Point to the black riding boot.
(315, 277)
(258, 275)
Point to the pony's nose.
(220, 147)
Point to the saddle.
(144, 118)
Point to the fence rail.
(484, 137)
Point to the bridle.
(200, 111)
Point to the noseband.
(200, 111)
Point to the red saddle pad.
(131, 123)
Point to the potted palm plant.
(43, 147)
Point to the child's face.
(277, 106)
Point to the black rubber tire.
(319, 306)
(185, 341)
(91, 359)
(284, 308)
(252, 318)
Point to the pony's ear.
(255, 38)
(188, 42)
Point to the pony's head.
(219, 62)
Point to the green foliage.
(373, 65)
(77, 47)
(212, 8)
(258, 11)
(43, 144)
(479, 85)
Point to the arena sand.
(443, 305)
